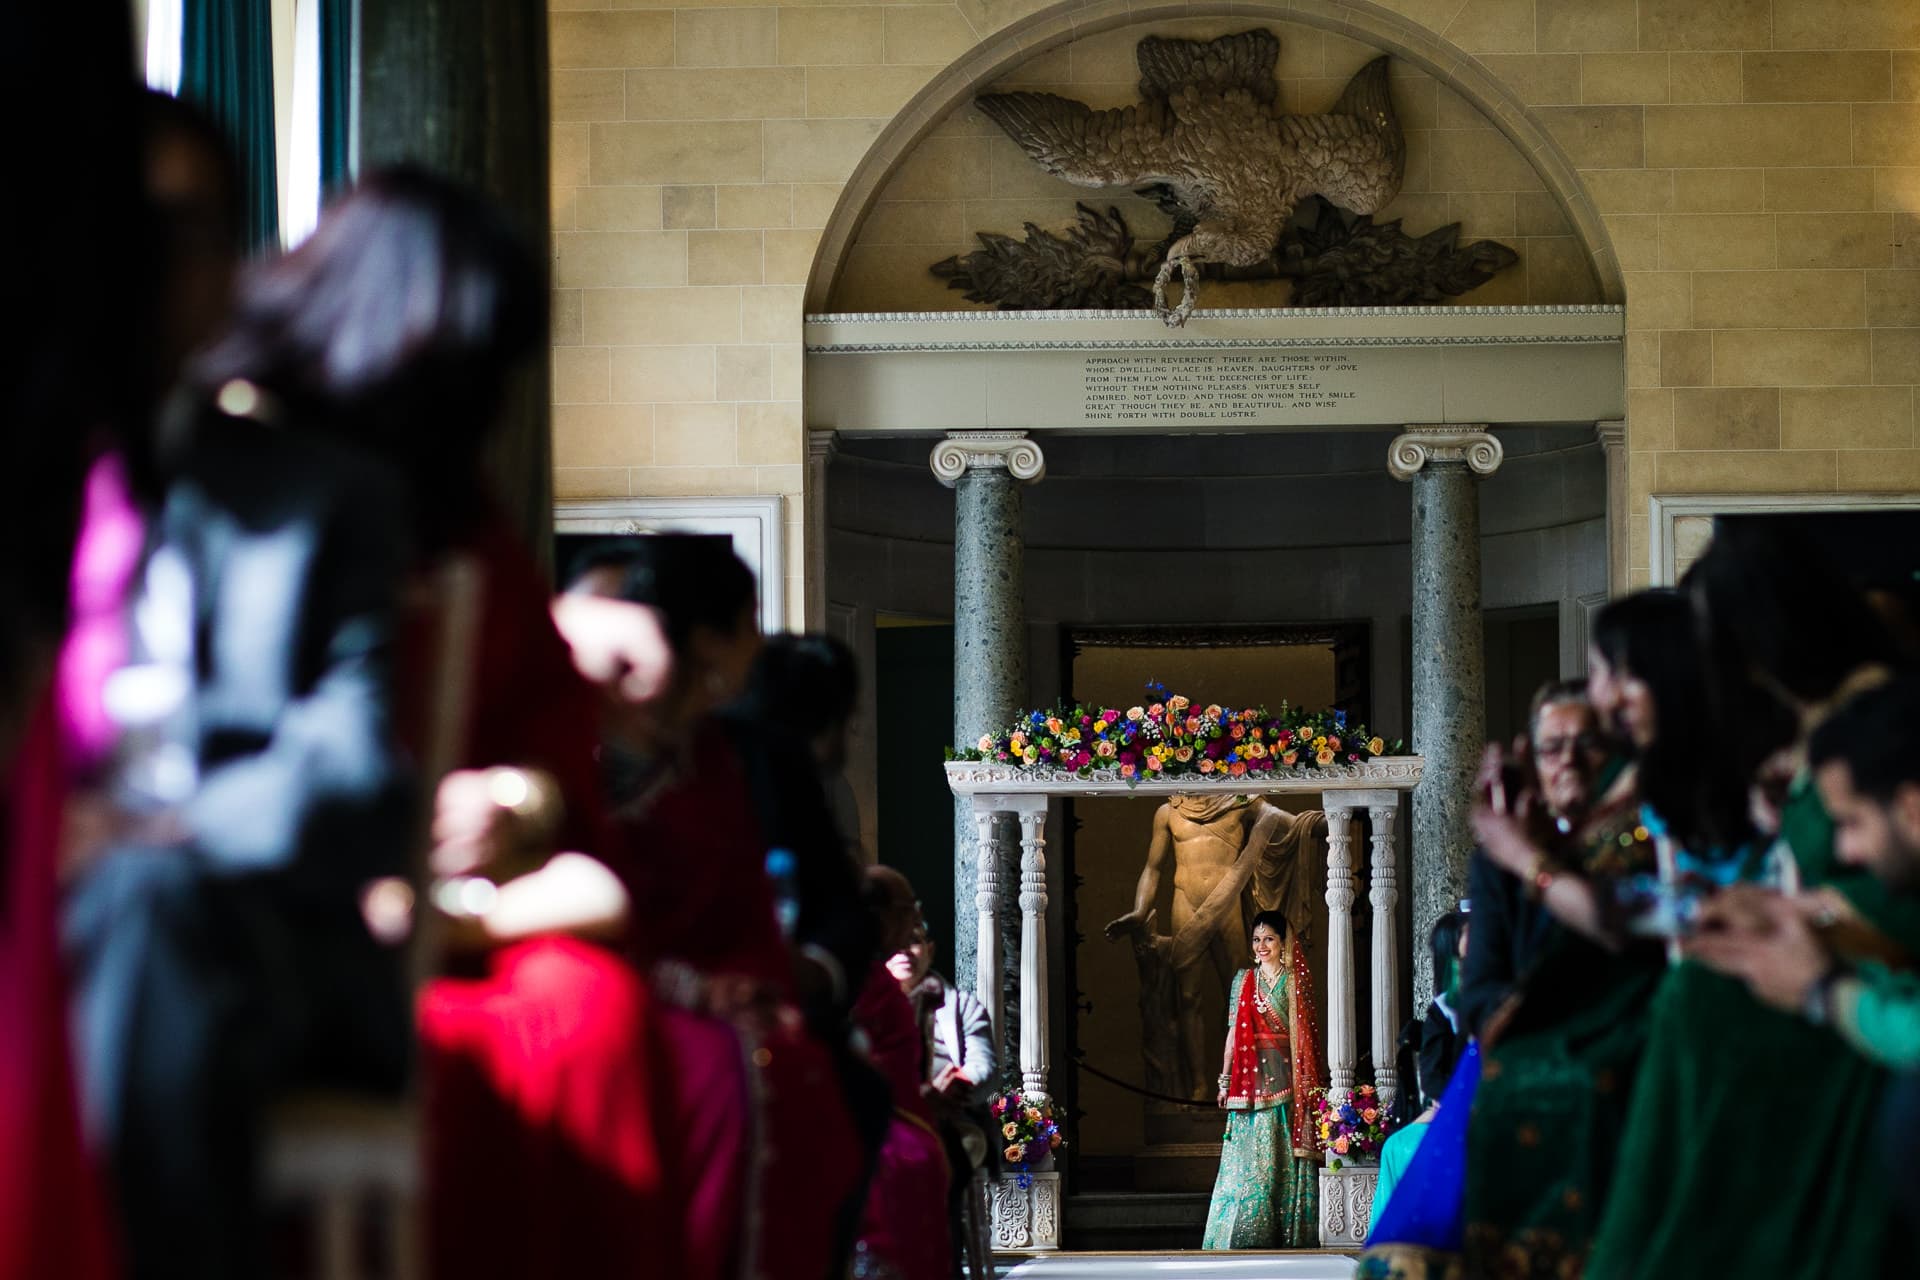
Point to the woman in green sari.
(1559, 1056)
(1749, 1145)
(1267, 1193)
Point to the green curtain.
(336, 88)
(226, 65)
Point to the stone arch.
(1069, 20)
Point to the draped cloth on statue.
(1275, 870)
(1698, 1150)
(1266, 1194)
(1557, 1072)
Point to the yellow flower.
(1073, 735)
(1017, 743)
(1320, 743)
(1376, 747)
(1099, 726)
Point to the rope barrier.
(1146, 1093)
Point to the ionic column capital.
(1412, 451)
(1011, 451)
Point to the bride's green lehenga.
(1267, 1193)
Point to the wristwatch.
(1817, 1005)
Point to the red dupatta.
(1273, 1059)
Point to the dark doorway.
(913, 677)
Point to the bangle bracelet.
(1540, 876)
(1226, 1080)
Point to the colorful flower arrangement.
(1170, 737)
(1355, 1128)
(1029, 1130)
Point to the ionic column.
(985, 470)
(1382, 810)
(1613, 448)
(1340, 1039)
(1449, 666)
(821, 446)
(1034, 1058)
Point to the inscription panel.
(1255, 387)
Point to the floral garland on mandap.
(1170, 737)
(1029, 1130)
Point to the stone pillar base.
(1025, 1218)
(1346, 1204)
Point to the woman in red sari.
(762, 1158)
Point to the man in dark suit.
(212, 926)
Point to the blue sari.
(1422, 1226)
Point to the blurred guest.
(761, 1158)
(1434, 1043)
(1866, 763)
(810, 685)
(210, 919)
(72, 374)
(958, 1033)
(1563, 834)
(1573, 766)
(1777, 621)
(392, 329)
(904, 1231)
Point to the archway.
(1070, 20)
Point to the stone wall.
(1757, 163)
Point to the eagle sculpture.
(1212, 133)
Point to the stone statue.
(1230, 856)
(1212, 133)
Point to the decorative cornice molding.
(1612, 434)
(1222, 313)
(822, 445)
(1410, 453)
(963, 451)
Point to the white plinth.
(1024, 1218)
(1346, 1204)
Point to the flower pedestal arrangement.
(1351, 1129)
(1023, 1204)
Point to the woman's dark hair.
(397, 326)
(1693, 774)
(805, 684)
(1274, 920)
(1443, 944)
(694, 580)
(1773, 603)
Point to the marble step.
(1177, 1166)
(1183, 1264)
(1137, 1220)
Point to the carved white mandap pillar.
(1034, 1058)
(1383, 811)
(1340, 1041)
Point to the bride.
(1266, 1194)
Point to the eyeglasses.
(1579, 744)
